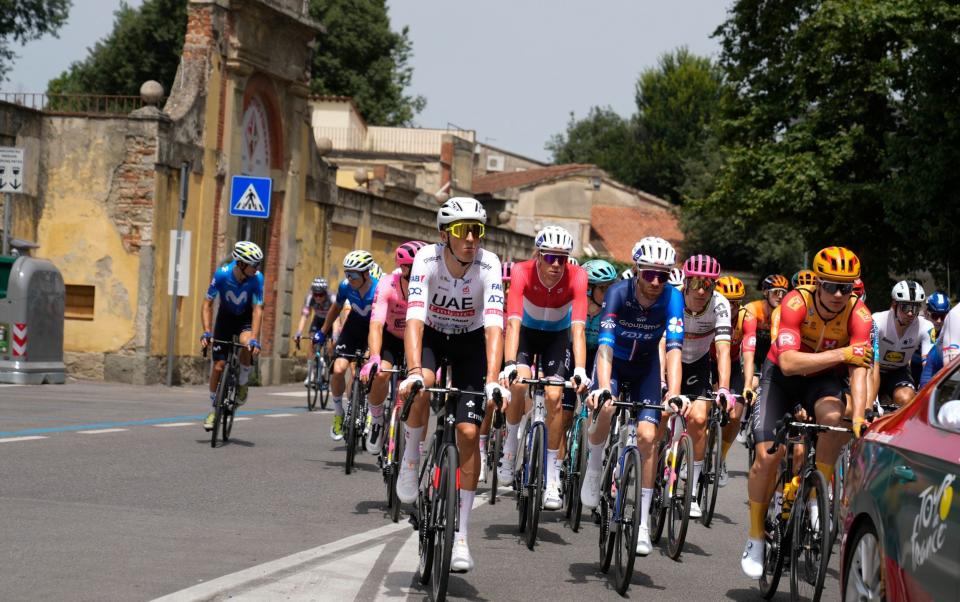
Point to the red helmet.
(407, 251)
(858, 288)
(507, 270)
(702, 266)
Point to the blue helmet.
(938, 302)
(600, 271)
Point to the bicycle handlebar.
(547, 382)
(783, 426)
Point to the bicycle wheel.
(446, 507)
(751, 450)
(836, 491)
(324, 384)
(227, 421)
(658, 509)
(218, 404)
(773, 544)
(628, 503)
(313, 385)
(536, 482)
(350, 422)
(519, 474)
(494, 448)
(579, 463)
(678, 508)
(710, 474)
(810, 547)
(395, 459)
(608, 536)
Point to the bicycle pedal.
(414, 521)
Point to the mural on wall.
(255, 158)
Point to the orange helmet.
(775, 281)
(804, 278)
(836, 264)
(731, 287)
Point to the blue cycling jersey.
(360, 306)
(933, 364)
(237, 298)
(633, 331)
(592, 331)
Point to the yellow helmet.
(731, 287)
(804, 278)
(836, 264)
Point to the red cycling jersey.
(542, 308)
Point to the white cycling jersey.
(455, 305)
(895, 351)
(700, 330)
(949, 336)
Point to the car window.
(945, 409)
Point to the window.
(79, 305)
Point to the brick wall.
(133, 192)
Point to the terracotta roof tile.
(619, 228)
(496, 182)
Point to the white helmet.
(654, 252)
(247, 252)
(908, 291)
(458, 209)
(627, 274)
(573, 261)
(676, 277)
(358, 260)
(554, 238)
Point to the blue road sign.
(250, 196)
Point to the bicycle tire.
(536, 482)
(658, 510)
(836, 490)
(494, 448)
(678, 510)
(350, 421)
(523, 499)
(809, 548)
(218, 405)
(710, 474)
(628, 501)
(576, 478)
(227, 421)
(751, 450)
(313, 385)
(324, 384)
(398, 444)
(605, 509)
(447, 507)
(773, 540)
(425, 530)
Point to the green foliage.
(361, 57)
(25, 20)
(145, 44)
(602, 138)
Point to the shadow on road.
(753, 594)
(371, 507)
(220, 444)
(356, 466)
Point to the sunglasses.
(777, 292)
(652, 276)
(831, 288)
(244, 265)
(696, 283)
(552, 258)
(938, 315)
(320, 293)
(909, 308)
(462, 230)
(353, 275)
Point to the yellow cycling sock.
(827, 471)
(758, 512)
(724, 448)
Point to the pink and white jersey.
(389, 304)
(702, 329)
(542, 308)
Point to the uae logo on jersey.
(675, 325)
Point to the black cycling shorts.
(696, 378)
(550, 346)
(391, 348)
(569, 395)
(227, 326)
(780, 394)
(353, 336)
(465, 354)
(891, 380)
(736, 375)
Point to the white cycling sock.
(376, 412)
(697, 468)
(646, 496)
(595, 458)
(244, 374)
(213, 398)
(338, 406)
(510, 443)
(466, 504)
(553, 469)
(411, 447)
(483, 445)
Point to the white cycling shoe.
(724, 477)
(460, 559)
(590, 490)
(644, 546)
(695, 511)
(407, 486)
(505, 468)
(752, 560)
(551, 498)
(483, 469)
(374, 437)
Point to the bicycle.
(787, 525)
(391, 452)
(574, 467)
(355, 416)
(670, 504)
(225, 402)
(495, 450)
(620, 488)
(437, 511)
(745, 435)
(713, 458)
(318, 375)
(530, 477)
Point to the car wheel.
(864, 568)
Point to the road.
(112, 492)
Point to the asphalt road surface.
(112, 492)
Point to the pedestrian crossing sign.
(250, 196)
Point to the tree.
(25, 20)
(603, 138)
(361, 57)
(145, 44)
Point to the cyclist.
(507, 271)
(601, 275)
(239, 284)
(803, 278)
(902, 330)
(819, 333)
(454, 318)
(733, 290)
(938, 306)
(947, 341)
(706, 322)
(357, 288)
(318, 303)
(546, 311)
(387, 322)
(676, 278)
(636, 313)
(756, 325)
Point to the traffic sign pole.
(11, 181)
(7, 221)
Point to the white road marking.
(30, 438)
(278, 415)
(102, 431)
(241, 418)
(169, 424)
(290, 394)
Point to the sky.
(512, 70)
